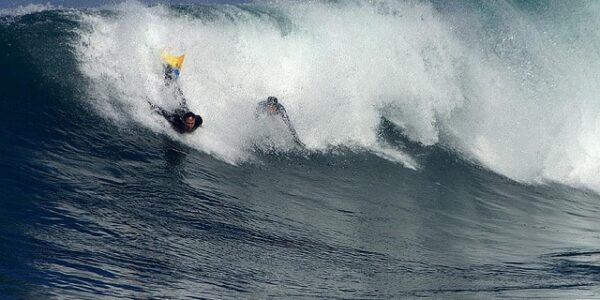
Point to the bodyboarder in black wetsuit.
(181, 119)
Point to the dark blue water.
(94, 208)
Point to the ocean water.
(452, 151)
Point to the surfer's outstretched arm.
(171, 76)
(169, 116)
(289, 125)
(182, 101)
(161, 111)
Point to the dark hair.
(188, 115)
(272, 100)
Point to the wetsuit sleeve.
(161, 111)
(182, 101)
(177, 124)
(172, 118)
(171, 82)
(286, 120)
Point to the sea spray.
(498, 82)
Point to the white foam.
(230, 66)
(512, 90)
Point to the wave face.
(451, 151)
(502, 83)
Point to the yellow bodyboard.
(176, 62)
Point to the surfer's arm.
(182, 102)
(172, 118)
(161, 111)
(289, 125)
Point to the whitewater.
(509, 90)
(451, 151)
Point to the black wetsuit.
(175, 118)
(263, 108)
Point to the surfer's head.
(271, 105)
(271, 101)
(189, 119)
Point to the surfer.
(181, 119)
(272, 107)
